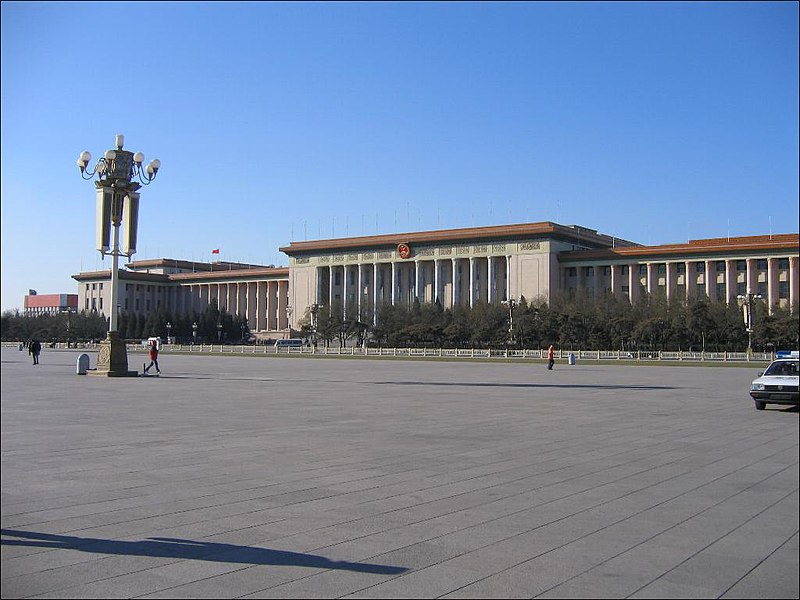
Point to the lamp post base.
(112, 360)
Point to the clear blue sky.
(277, 122)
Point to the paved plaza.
(287, 477)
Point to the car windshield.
(784, 367)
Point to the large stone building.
(455, 266)
(257, 292)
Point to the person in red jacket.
(551, 358)
(153, 358)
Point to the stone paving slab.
(288, 477)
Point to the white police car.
(777, 385)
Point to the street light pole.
(314, 312)
(194, 332)
(511, 303)
(169, 331)
(288, 322)
(746, 301)
(68, 312)
(117, 202)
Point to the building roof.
(571, 233)
(255, 273)
(172, 263)
(693, 248)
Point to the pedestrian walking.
(153, 358)
(551, 357)
(34, 349)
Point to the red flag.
(215, 251)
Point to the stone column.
(615, 279)
(691, 279)
(249, 303)
(752, 276)
(261, 310)
(375, 293)
(597, 283)
(360, 289)
(633, 282)
(508, 277)
(283, 288)
(472, 281)
(344, 290)
(453, 286)
(672, 279)
(730, 280)
(272, 325)
(772, 283)
(490, 289)
(437, 265)
(394, 282)
(331, 281)
(711, 280)
(418, 291)
(652, 278)
(241, 298)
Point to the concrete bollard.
(83, 364)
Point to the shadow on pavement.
(222, 377)
(532, 385)
(195, 550)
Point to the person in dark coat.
(34, 349)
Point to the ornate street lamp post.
(314, 312)
(289, 321)
(169, 331)
(746, 301)
(511, 303)
(219, 333)
(117, 202)
(68, 312)
(194, 332)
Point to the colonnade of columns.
(721, 280)
(361, 287)
(262, 303)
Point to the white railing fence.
(481, 353)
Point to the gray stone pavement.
(268, 477)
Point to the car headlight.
(758, 387)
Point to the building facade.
(51, 304)
(256, 292)
(719, 269)
(455, 267)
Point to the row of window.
(139, 286)
(382, 277)
(97, 304)
(661, 268)
(719, 290)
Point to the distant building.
(257, 292)
(535, 260)
(455, 267)
(52, 304)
